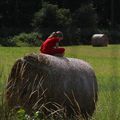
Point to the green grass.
(104, 60)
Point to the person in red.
(50, 45)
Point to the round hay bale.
(44, 80)
(100, 40)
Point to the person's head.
(57, 34)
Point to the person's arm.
(39, 38)
(54, 41)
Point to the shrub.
(7, 42)
(26, 39)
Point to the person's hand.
(57, 45)
(60, 38)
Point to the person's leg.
(55, 51)
(58, 51)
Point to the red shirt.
(49, 44)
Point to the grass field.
(104, 60)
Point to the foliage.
(85, 20)
(64, 17)
(85, 16)
(26, 39)
(46, 16)
(50, 18)
(26, 16)
(17, 13)
(7, 42)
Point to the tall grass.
(104, 60)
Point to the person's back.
(50, 46)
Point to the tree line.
(79, 20)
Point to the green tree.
(16, 15)
(85, 21)
(51, 18)
(103, 9)
(69, 4)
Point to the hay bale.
(38, 80)
(100, 40)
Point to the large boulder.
(44, 80)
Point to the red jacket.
(48, 46)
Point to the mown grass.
(104, 60)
